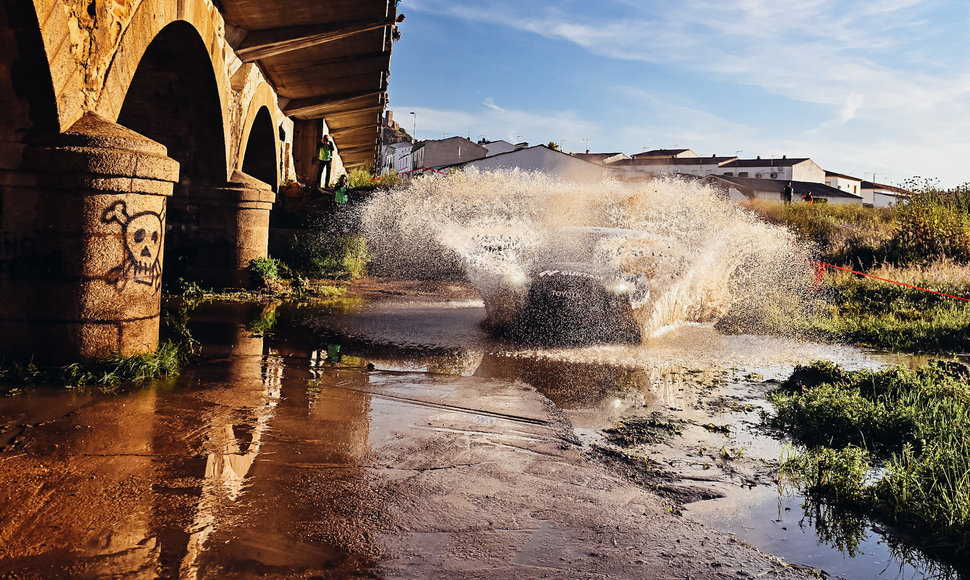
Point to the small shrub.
(263, 269)
(319, 254)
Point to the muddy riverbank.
(428, 450)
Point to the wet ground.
(428, 450)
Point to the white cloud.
(495, 122)
(867, 62)
(490, 103)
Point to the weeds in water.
(106, 375)
(893, 444)
(635, 431)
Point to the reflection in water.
(192, 478)
(257, 462)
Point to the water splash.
(704, 257)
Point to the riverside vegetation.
(924, 243)
(887, 445)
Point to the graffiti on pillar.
(142, 235)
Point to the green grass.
(106, 375)
(914, 424)
(883, 315)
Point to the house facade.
(784, 169)
(396, 157)
(438, 153)
(882, 195)
(539, 158)
(844, 182)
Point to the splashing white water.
(704, 257)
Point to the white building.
(844, 182)
(396, 157)
(881, 195)
(540, 158)
(784, 169)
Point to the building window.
(743, 174)
(774, 175)
(729, 173)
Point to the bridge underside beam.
(330, 60)
(261, 44)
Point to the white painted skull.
(143, 236)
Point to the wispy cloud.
(490, 103)
(512, 125)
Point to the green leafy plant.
(263, 269)
(319, 254)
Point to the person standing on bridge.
(325, 156)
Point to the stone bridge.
(142, 138)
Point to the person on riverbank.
(787, 194)
(808, 197)
(340, 189)
(325, 156)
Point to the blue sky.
(860, 86)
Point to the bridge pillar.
(223, 228)
(86, 215)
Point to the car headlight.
(517, 278)
(622, 287)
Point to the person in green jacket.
(340, 189)
(325, 156)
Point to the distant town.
(739, 178)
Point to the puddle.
(714, 383)
(260, 461)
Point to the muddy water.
(260, 460)
(713, 384)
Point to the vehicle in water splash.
(574, 290)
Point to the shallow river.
(150, 482)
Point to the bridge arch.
(29, 101)
(147, 24)
(259, 147)
(174, 98)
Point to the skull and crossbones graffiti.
(143, 234)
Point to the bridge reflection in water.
(237, 466)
